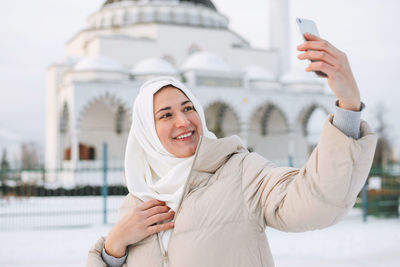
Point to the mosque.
(253, 93)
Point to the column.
(244, 129)
(74, 148)
(279, 30)
(291, 145)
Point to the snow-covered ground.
(350, 243)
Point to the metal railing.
(40, 199)
(381, 193)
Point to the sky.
(34, 33)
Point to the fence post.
(365, 202)
(104, 183)
(290, 161)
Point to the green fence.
(381, 193)
(43, 198)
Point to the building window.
(86, 152)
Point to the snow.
(350, 243)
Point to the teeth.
(185, 135)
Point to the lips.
(184, 133)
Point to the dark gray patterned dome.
(206, 3)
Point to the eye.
(188, 108)
(165, 115)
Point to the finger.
(321, 66)
(312, 37)
(318, 46)
(160, 217)
(319, 55)
(150, 203)
(155, 210)
(160, 227)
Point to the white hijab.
(150, 170)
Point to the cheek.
(197, 122)
(163, 132)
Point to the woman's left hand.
(335, 64)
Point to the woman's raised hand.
(140, 222)
(335, 64)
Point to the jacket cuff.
(348, 121)
(113, 261)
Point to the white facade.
(244, 91)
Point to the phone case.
(306, 25)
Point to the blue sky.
(33, 36)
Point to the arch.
(270, 109)
(305, 115)
(119, 120)
(268, 133)
(274, 104)
(105, 119)
(112, 103)
(305, 143)
(222, 119)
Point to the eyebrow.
(167, 108)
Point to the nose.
(181, 120)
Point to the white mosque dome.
(98, 63)
(205, 60)
(204, 3)
(254, 72)
(154, 66)
(179, 12)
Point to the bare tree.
(29, 156)
(4, 169)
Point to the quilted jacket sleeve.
(317, 195)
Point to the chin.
(184, 153)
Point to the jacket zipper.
(164, 253)
(165, 259)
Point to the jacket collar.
(211, 153)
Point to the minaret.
(280, 32)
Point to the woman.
(196, 200)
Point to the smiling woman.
(177, 122)
(190, 192)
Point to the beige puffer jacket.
(232, 195)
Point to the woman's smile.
(186, 136)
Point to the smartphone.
(306, 25)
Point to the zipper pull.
(165, 259)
